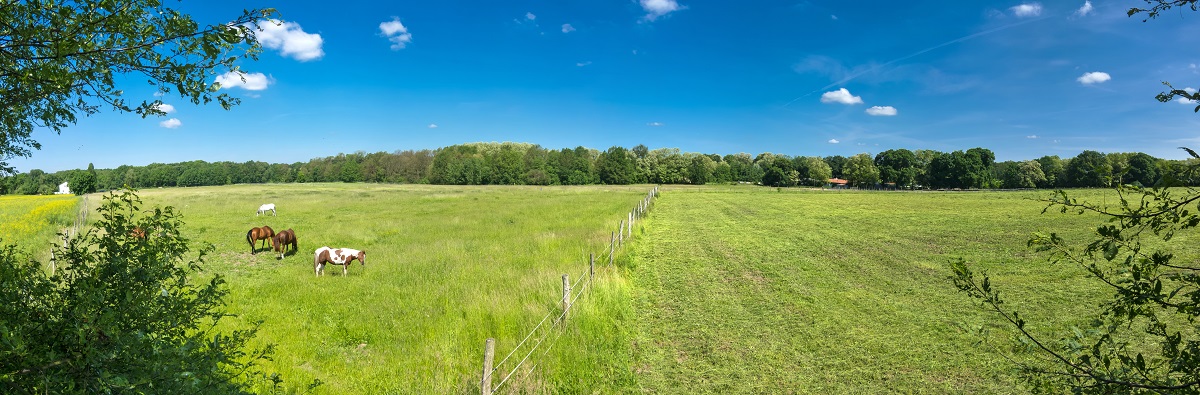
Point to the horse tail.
(249, 239)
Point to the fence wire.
(639, 211)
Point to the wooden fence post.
(612, 247)
(566, 295)
(592, 266)
(489, 351)
(621, 230)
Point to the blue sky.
(1024, 79)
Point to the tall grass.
(447, 267)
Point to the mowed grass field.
(447, 267)
(754, 290)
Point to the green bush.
(122, 314)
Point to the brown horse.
(263, 233)
(282, 240)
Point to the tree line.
(531, 164)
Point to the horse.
(282, 240)
(264, 233)
(265, 208)
(337, 256)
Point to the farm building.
(63, 189)
(838, 183)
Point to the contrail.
(914, 54)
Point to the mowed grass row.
(753, 290)
(31, 222)
(447, 267)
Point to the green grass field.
(750, 290)
(447, 267)
(725, 289)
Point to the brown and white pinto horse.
(282, 240)
(337, 256)
(264, 233)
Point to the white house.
(63, 189)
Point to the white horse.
(336, 256)
(265, 208)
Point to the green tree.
(898, 166)
(84, 182)
(1027, 174)
(1143, 169)
(1090, 169)
(124, 314)
(812, 170)
(617, 166)
(742, 168)
(1054, 170)
(777, 171)
(860, 171)
(51, 74)
(836, 163)
(700, 171)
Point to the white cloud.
(1086, 9)
(655, 124)
(433, 126)
(1094, 77)
(530, 16)
(290, 40)
(581, 64)
(657, 8)
(567, 28)
(834, 141)
(160, 93)
(397, 33)
(247, 81)
(834, 17)
(164, 107)
(840, 96)
(1031, 136)
(882, 111)
(1027, 10)
(171, 123)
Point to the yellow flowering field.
(31, 222)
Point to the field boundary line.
(571, 293)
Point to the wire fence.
(69, 233)
(571, 293)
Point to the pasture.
(726, 289)
(754, 290)
(447, 267)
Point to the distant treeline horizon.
(530, 164)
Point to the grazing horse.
(264, 233)
(263, 209)
(282, 240)
(337, 256)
